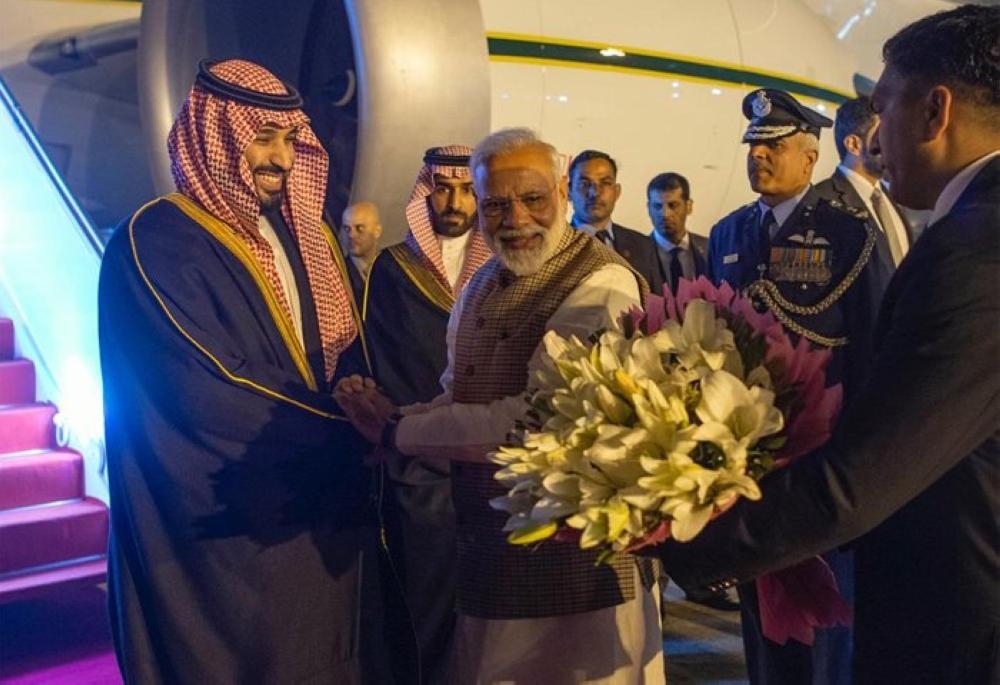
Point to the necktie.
(881, 206)
(676, 270)
(768, 224)
(604, 237)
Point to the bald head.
(360, 230)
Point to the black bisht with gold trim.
(238, 497)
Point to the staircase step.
(40, 580)
(17, 381)
(26, 427)
(40, 476)
(6, 339)
(48, 534)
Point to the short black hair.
(669, 180)
(959, 48)
(588, 155)
(854, 116)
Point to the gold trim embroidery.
(224, 235)
(418, 274)
(201, 348)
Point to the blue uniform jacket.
(817, 275)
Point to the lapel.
(621, 242)
(848, 194)
(699, 247)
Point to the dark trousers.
(826, 662)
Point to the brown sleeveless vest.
(503, 321)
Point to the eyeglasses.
(534, 202)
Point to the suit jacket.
(838, 189)
(699, 250)
(639, 251)
(913, 468)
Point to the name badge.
(731, 258)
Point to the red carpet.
(59, 639)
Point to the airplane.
(90, 89)
(657, 85)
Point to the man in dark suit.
(679, 254)
(912, 469)
(594, 190)
(360, 230)
(857, 180)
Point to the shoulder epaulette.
(856, 212)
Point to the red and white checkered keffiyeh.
(206, 146)
(421, 237)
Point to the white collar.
(783, 210)
(958, 183)
(450, 243)
(861, 184)
(591, 230)
(665, 243)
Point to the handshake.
(368, 409)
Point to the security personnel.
(809, 261)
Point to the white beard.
(525, 262)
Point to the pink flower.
(798, 368)
(797, 600)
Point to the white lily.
(749, 413)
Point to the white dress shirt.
(453, 254)
(445, 429)
(285, 274)
(782, 211)
(592, 230)
(865, 188)
(685, 256)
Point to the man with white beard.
(525, 615)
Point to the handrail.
(26, 129)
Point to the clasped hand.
(366, 407)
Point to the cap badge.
(761, 104)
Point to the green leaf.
(605, 556)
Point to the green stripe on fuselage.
(666, 66)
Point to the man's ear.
(937, 111)
(853, 144)
(564, 189)
(813, 156)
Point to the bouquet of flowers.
(654, 427)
